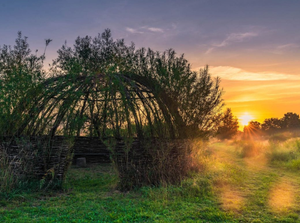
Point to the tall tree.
(188, 100)
(20, 71)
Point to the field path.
(250, 185)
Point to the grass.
(231, 188)
(286, 154)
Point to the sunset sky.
(253, 45)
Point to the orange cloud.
(233, 73)
(261, 94)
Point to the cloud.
(234, 73)
(232, 38)
(288, 46)
(154, 29)
(282, 49)
(145, 29)
(135, 31)
(236, 37)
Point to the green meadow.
(233, 181)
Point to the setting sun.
(246, 118)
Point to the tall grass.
(15, 169)
(19, 163)
(249, 148)
(285, 154)
(159, 163)
(8, 180)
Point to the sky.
(252, 45)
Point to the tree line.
(289, 122)
(228, 125)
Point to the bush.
(248, 148)
(29, 161)
(154, 162)
(294, 164)
(280, 137)
(282, 156)
(16, 167)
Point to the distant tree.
(253, 127)
(228, 126)
(290, 121)
(272, 125)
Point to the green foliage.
(182, 101)
(20, 73)
(294, 164)
(16, 170)
(22, 161)
(282, 156)
(103, 87)
(285, 154)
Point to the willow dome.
(102, 87)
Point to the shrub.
(280, 137)
(27, 162)
(282, 156)
(294, 164)
(248, 148)
(154, 162)
(16, 167)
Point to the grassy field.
(240, 181)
